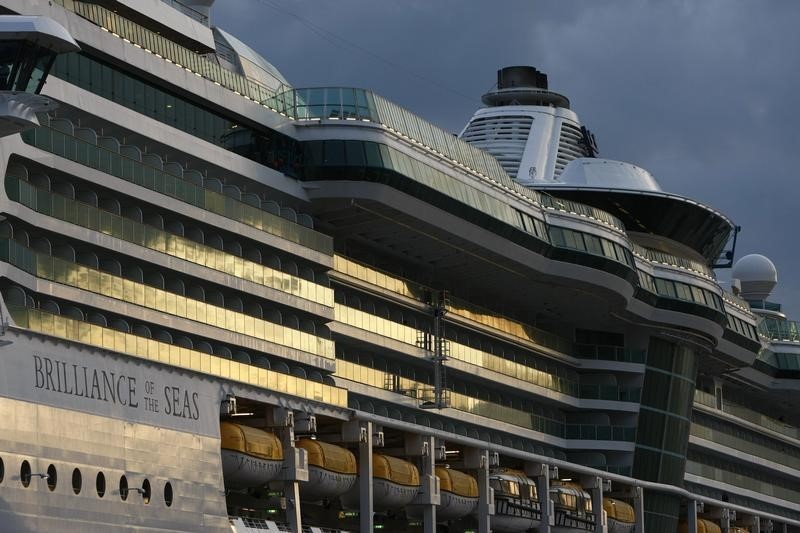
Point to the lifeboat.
(621, 516)
(395, 482)
(516, 503)
(573, 508)
(250, 457)
(332, 470)
(703, 526)
(459, 494)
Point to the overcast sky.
(705, 94)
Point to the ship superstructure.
(232, 303)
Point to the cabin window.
(77, 481)
(100, 484)
(123, 488)
(146, 491)
(52, 478)
(25, 473)
(168, 494)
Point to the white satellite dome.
(757, 276)
(599, 173)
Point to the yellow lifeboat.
(516, 501)
(250, 457)
(395, 482)
(332, 470)
(703, 526)
(459, 494)
(573, 507)
(621, 516)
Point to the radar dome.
(757, 275)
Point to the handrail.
(351, 104)
(188, 11)
(169, 50)
(657, 256)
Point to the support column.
(428, 497)
(295, 465)
(366, 509)
(431, 484)
(478, 460)
(540, 473)
(638, 507)
(691, 516)
(594, 485)
(725, 520)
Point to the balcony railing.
(152, 238)
(745, 413)
(115, 164)
(461, 402)
(169, 50)
(166, 303)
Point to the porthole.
(52, 478)
(77, 481)
(2, 470)
(100, 484)
(146, 492)
(25, 473)
(168, 494)
(123, 488)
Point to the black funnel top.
(523, 85)
(521, 76)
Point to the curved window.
(168, 494)
(52, 478)
(77, 481)
(100, 484)
(25, 473)
(123, 488)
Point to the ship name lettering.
(77, 380)
(181, 403)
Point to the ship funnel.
(523, 85)
(509, 77)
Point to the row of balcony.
(152, 238)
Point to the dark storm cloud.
(704, 94)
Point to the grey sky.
(702, 93)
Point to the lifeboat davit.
(395, 482)
(703, 526)
(459, 494)
(332, 470)
(621, 516)
(250, 457)
(516, 502)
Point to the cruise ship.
(232, 304)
